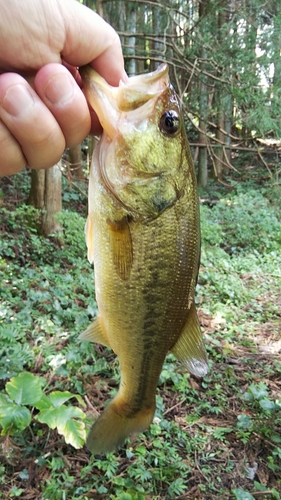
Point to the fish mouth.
(110, 102)
(140, 89)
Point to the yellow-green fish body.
(143, 237)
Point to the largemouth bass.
(143, 236)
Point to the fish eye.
(169, 122)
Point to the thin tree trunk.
(131, 41)
(45, 195)
(203, 112)
(75, 161)
(159, 22)
(219, 166)
(203, 153)
(228, 126)
(120, 19)
(36, 193)
(219, 159)
(276, 44)
(52, 200)
(99, 8)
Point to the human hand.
(42, 108)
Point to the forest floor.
(218, 437)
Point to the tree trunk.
(219, 166)
(121, 19)
(36, 194)
(45, 195)
(228, 126)
(202, 155)
(159, 22)
(75, 161)
(52, 200)
(276, 44)
(203, 112)
(99, 8)
(219, 160)
(131, 41)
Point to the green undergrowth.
(216, 437)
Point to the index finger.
(89, 39)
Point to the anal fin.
(95, 333)
(190, 349)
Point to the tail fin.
(113, 426)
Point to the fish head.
(142, 157)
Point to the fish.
(143, 237)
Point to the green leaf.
(14, 418)
(102, 489)
(16, 492)
(259, 486)
(44, 403)
(4, 400)
(48, 416)
(24, 389)
(80, 400)
(259, 391)
(58, 398)
(267, 405)
(219, 432)
(244, 422)
(241, 494)
(24, 474)
(66, 413)
(62, 418)
(248, 396)
(276, 438)
(57, 417)
(275, 494)
(74, 433)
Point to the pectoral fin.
(95, 333)
(89, 232)
(121, 243)
(190, 349)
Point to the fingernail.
(60, 89)
(17, 100)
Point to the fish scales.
(143, 236)
(156, 267)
